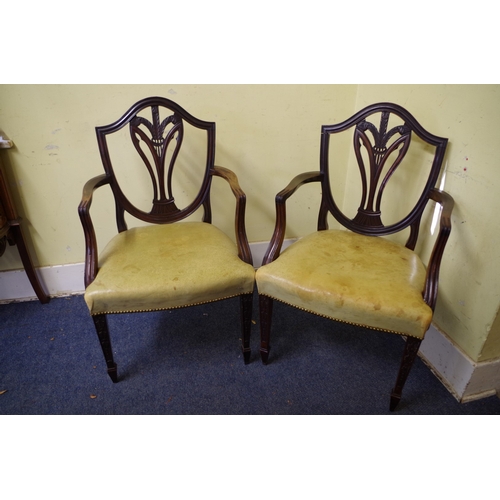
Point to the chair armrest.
(276, 242)
(432, 278)
(91, 254)
(244, 252)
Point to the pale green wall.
(266, 134)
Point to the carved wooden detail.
(161, 135)
(409, 354)
(379, 154)
(385, 149)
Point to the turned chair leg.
(409, 355)
(266, 312)
(246, 303)
(101, 326)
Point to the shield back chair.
(355, 273)
(165, 262)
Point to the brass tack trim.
(167, 308)
(342, 320)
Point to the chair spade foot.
(264, 356)
(395, 399)
(246, 355)
(113, 373)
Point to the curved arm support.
(274, 247)
(244, 252)
(432, 278)
(91, 254)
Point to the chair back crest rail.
(158, 142)
(384, 150)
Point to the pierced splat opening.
(389, 165)
(160, 158)
(385, 150)
(160, 138)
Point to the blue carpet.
(188, 362)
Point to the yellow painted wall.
(266, 134)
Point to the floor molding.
(464, 378)
(57, 281)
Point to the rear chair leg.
(266, 311)
(246, 302)
(409, 355)
(101, 326)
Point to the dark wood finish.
(162, 138)
(266, 311)
(101, 326)
(12, 232)
(276, 243)
(244, 252)
(409, 355)
(91, 251)
(157, 134)
(384, 151)
(432, 278)
(246, 306)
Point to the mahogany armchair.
(355, 274)
(166, 262)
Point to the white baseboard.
(259, 250)
(464, 378)
(57, 281)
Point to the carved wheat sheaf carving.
(158, 136)
(378, 152)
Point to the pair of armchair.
(352, 275)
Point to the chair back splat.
(385, 151)
(158, 141)
(356, 275)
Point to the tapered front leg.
(101, 326)
(409, 355)
(266, 312)
(246, 303)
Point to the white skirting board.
(464, 378)
(56, 280)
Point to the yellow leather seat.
(167, 266)
(332, 273)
